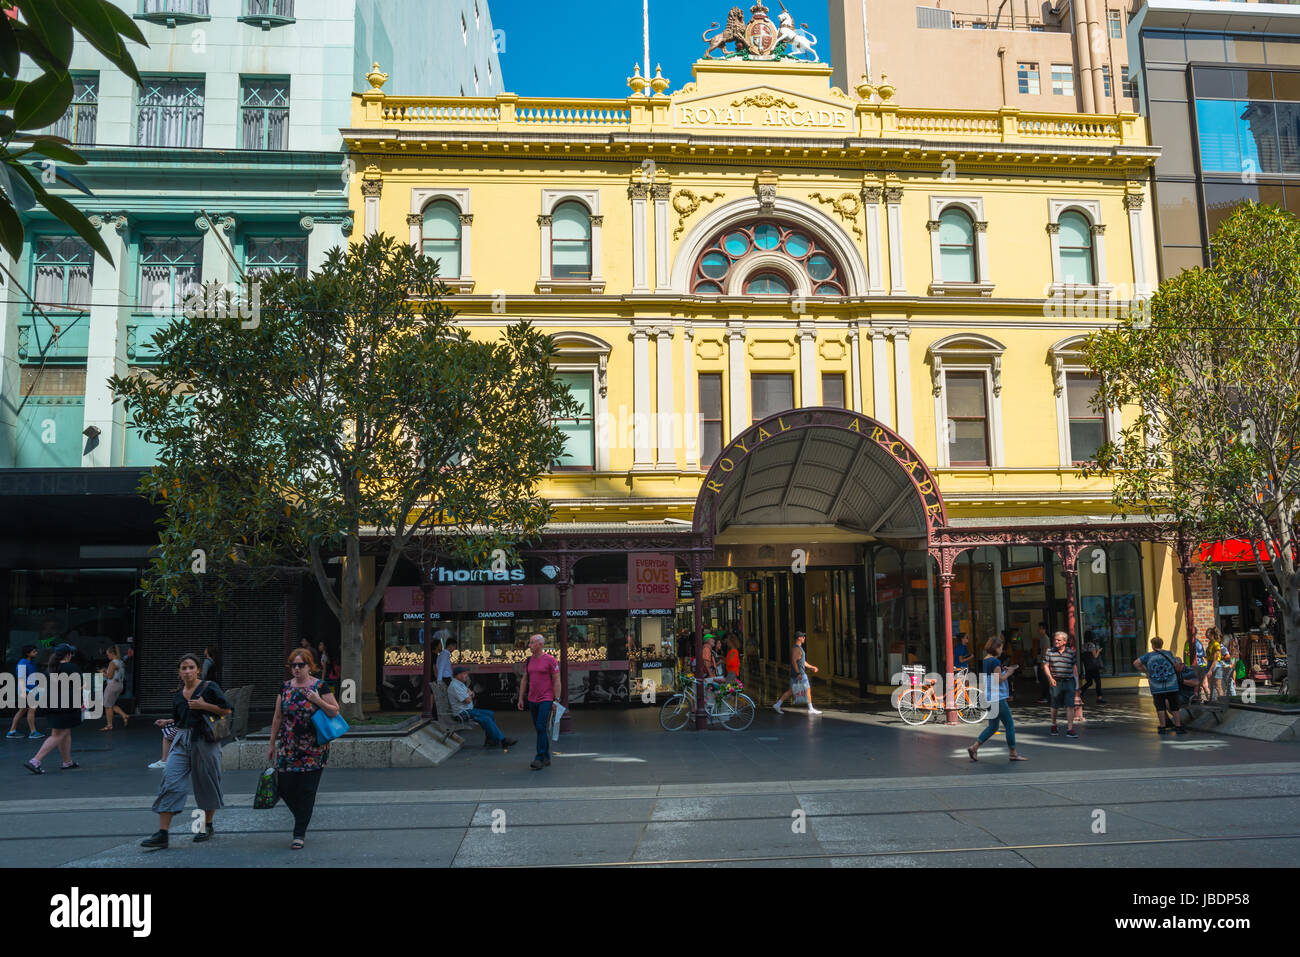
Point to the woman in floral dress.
(297, 756)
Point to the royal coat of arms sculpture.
(760, 39)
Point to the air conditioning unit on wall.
(928, 18)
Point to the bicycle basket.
(915, 674)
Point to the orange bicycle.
(916, 706)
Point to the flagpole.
(645, 34)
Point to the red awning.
(1233, 550)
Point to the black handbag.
(215, 728)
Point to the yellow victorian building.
(828, 351)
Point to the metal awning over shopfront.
(819, 469)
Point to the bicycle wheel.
(675, 713)
(911, 707)
(740, 713)
(971, 707)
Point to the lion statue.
(734, 32)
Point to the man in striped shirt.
(1063, 678)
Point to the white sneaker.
(812, 710)
(777, 707)
(157, 764)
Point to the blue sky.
(587, 47)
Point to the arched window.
(440, 237)
(1076, 249)
(767, 284)
(732, 253)
(571, 242)
(957, 246)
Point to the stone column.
(372, 187)
(644, 456)
(894, 212)
(663, 263)
(738, 381)
(690, 414)
(640, 266)
(106, 354)
(11, 372)
(871, 197)
(415, 226)
(666, 451)
(218, 249)
(903, 383)
(879, 377)
(1137, 241)
(855, 358)
(324, 235)
(808, 385)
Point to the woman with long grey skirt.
(191, 755)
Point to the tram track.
(489, 807)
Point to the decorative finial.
(377, 78)
(660, 82)
(886, 89)
(637, 82)
(864, 89)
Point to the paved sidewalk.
(628, 747)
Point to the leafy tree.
(44, 34)
(349, 412)
(1215, 368)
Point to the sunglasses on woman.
(298, 664)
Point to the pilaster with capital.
(903, 382)
(894, 218)
(641, 416)
(637, 193)
(666, 451)
(737, 380)
(109, 328)
(808, 379)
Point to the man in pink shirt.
(540, 686)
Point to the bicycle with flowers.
(729, 705)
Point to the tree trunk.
(351, 635)
(1290, 616)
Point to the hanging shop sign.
(651, 580)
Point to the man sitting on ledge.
(461, 699)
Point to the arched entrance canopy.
(826, 467)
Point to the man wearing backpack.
(1164, 675)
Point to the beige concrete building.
(1065, 56)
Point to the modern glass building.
(227, 158)
(1220, 85)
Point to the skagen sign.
(899, 450)
(770, 118)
